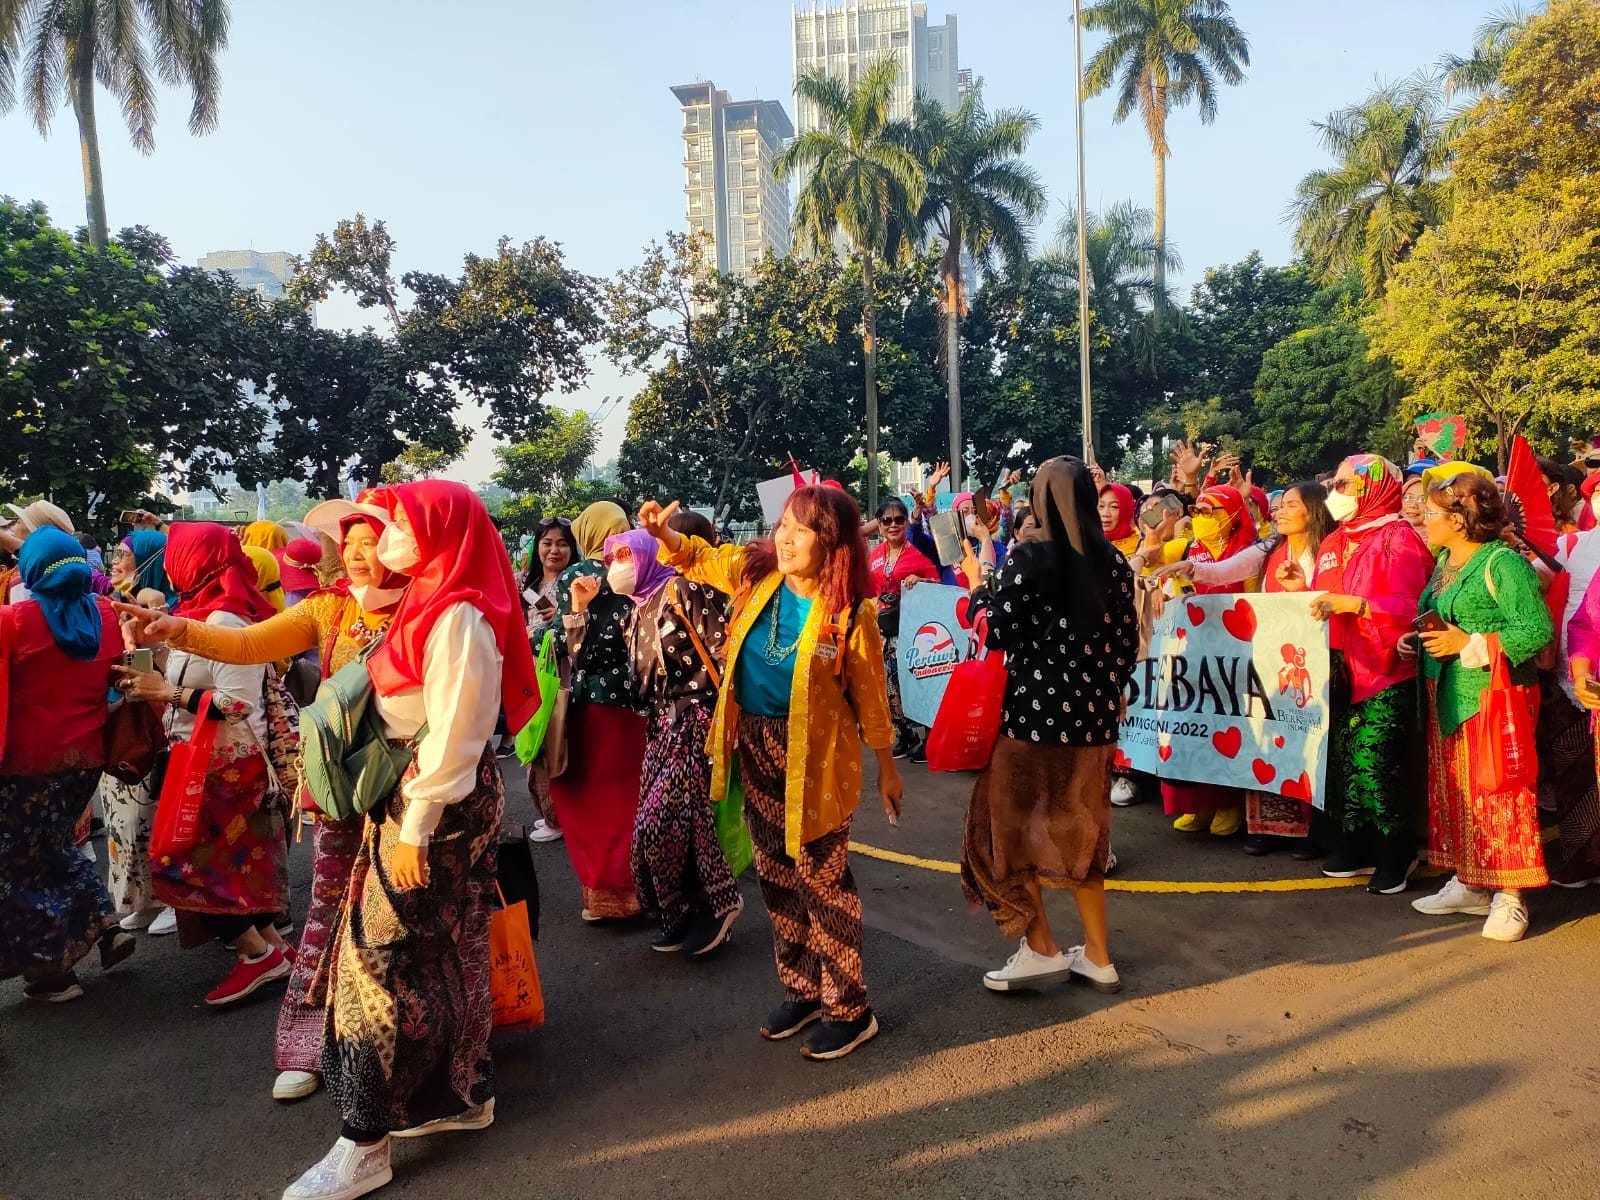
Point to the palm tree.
(1126, 265)
(59, 48)
(981, 198)
(861, 178)
(1479, 73)
(1388, 184)
(1162, 54)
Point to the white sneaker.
(1101, 979)
(1508, 919)
(136, 921)
(166, 923)
(1454, 897)
(543, 831)
(1123, 793)
(294, 1085)
(345, 1172)
(479, 1116)
(1026, 969)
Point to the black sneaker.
(1305, 850)
(1258, 844)
(54, 989)
(708, 931)
(671, 940)
(1391, 878)
(902, 746)
(835, 1039)
(789, 1018)
(919, 752)
(284, 927)
(1343, 866)
(116, 946)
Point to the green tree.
(116, 368)
(358, 259)
(415, 462)
(542, 465)
(59, 48)
(1478, 72)
(1387, 185)
(861, 178)
(981, 199)
(1321, 396)
(1496, 315)
(1162, 54)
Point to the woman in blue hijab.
(59, 647)
(149, 548)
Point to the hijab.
(149, 548)
(462, 560)
(1065, 549)
(1125, 511)
(595, 524)
(212, 573)
(380, 597)
(267, 576)
(650, 573)
(1443, 472)
(1378, 491)
(56, 572)
(268, 535)
(1235, 531)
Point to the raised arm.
(720, 567)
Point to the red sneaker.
(291, 953)
(247, 976)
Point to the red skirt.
(1490, 840)
(596, 800)
(1179, 799)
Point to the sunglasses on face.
(1341, 485)
(891, 520)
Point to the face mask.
(372, 598)
(397, 549)
(1342, 507)
(1209, 531)
(622, 577)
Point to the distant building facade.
(730, 190)
(267, 274)
(842, 37)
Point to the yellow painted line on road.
(1156, 886)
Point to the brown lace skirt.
(1038, 812)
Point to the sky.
(456, 124)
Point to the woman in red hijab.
(233, 880)
(1117, 513)
(407, 977)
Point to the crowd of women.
(705, 707)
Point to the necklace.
(773, 652)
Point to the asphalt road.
(1316, 1044)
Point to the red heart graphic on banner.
(1240, 620)
(963, 616)
(1227, 741)
(1278, 741)
(1165, 752)
(1264, 771)
(1197, 615)
(1297, 789)
(1121, 760)
(1180, 632)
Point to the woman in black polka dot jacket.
(1062, 611)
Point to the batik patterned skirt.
(301, 1024)
(1374, 767)
(1490, 840)
(406, 981)
(53, 907)
(130, 812)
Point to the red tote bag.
(177, 820)
(1503, 758)
(968, 722)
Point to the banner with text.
(1234, 691)
(936, 635)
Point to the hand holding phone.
(1430, 622)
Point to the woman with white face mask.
(676, 634)
(340, 622)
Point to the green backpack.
(346, 761)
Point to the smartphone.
(1430, 622)
(128, 516)
(981, 507)
(949, 538)
(1592, 686)
(142, 660)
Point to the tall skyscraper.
(267, 274)
(729, 148)
(843, 37)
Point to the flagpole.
(1083, 240)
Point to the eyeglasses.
(891, 520)
(1433, 514)
(1202, 510)
(1340, 485)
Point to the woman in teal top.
(1484, 600)
(764, 679)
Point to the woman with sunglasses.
(897, 565)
